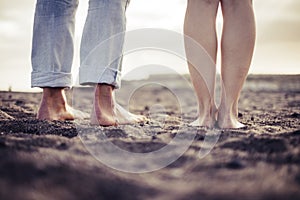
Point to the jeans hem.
(51, 79)
(106, 75)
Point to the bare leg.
(237, 46)
(200, 26)
(107, 112)
(54, 105)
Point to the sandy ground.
(53, 160)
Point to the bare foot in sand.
(54, 105)
(228, 117)
(107, 112)
(206, 118)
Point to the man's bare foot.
(126, 117)
(206, 118)
(228, 117)
(107, 112)
(54, 105)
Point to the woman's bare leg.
(199, 26)
(237, 46)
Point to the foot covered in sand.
(228, 118)
(221, 118)
(107, 112)
(206, 119)
(54, 106)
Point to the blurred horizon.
(277, 46)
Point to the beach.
(53, 160)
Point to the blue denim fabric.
(53, 43)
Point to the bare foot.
(54, 106)
(108, 113)
(228, 118)
(206, 118)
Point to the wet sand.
(49, 160)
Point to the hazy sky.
(277, 48)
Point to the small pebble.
(235, 164)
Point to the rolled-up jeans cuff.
(105, 75)
(51, 79)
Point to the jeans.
(53, 43)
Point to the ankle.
(54, 97)
(103, 90)
(230, 108)
(53, 92)
(207, 108)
